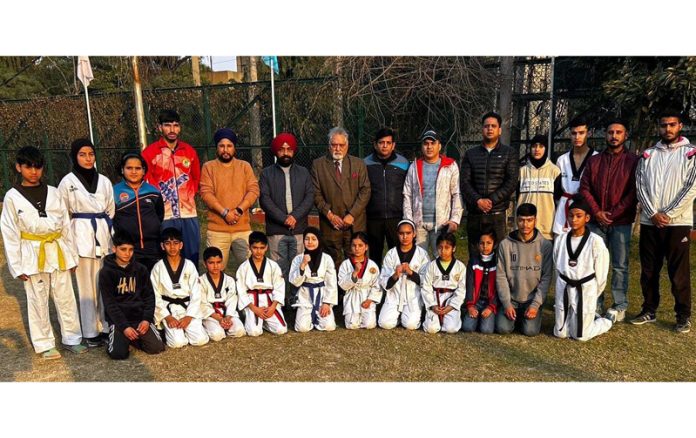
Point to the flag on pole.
(272, 62)
(84, 70)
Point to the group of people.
(133, 246)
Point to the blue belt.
(315, 299)
(93, 220)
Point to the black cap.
(430, 134)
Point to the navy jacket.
(272, 200)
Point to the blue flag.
(272, 62)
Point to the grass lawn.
(652, 352)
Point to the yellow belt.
(45, 238)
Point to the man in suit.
(341, 194)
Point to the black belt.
(183, 302)
(577, 284)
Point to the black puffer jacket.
(493, 175)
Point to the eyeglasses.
(338, 145)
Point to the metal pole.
(273, 96)
(552, 121)
(139, 110)
(89, 115)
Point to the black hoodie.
(127, 293)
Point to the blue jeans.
(618, 240)
(528, 327)
(485, 325)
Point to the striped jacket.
(665, 182)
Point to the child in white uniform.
(261, 290)
(219, 299)
(89, 197)
(177, 294)
(359, 277)
(401, 280)
(39, 251)
(314, 274)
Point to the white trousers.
(58, 285)
(366, 319)
(255, 326)
(194, 334)
(92, 317)
(451, 322)
(303, 321)
(389, 316)
(568, 325)
(217, 333)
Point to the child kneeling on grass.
(261, 290)
(219, 299)
(314, 273)
(177, 294)
(582, 265)
(444, 287)
(359, 277)
(400, 279)
(481, 296)
(129, 301)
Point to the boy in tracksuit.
(129, 301)
(523, 275)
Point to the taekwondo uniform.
(403, 295)
(178, 294)
(570, 181)
(38, 243)
(366, 288)
(314, 289)
(443, 287)
(91, 215)
(261, 288)
(223, 300)
(582, 264)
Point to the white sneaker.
(615, 315)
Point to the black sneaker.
(94, 342)
(683, 326)
(643, 317)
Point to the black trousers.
(377, 231)
(474, 223)
(117, 347)
(655, 245)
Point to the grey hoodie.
(524, 270)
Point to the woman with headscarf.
(539, 180)
(314, 274)
(90, 200)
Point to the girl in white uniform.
(582, 264)
(39, 251)
(314, 274)
(401, 280)
(443, 288)
(89, 197)
(219, 299)
(358, 276)
(177, 294)
(261, 290)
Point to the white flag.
(84, 70)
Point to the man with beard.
(341, 193)
(287, 196)
(666, 190)
(229, 189)
(609, 187)
(173, 167)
